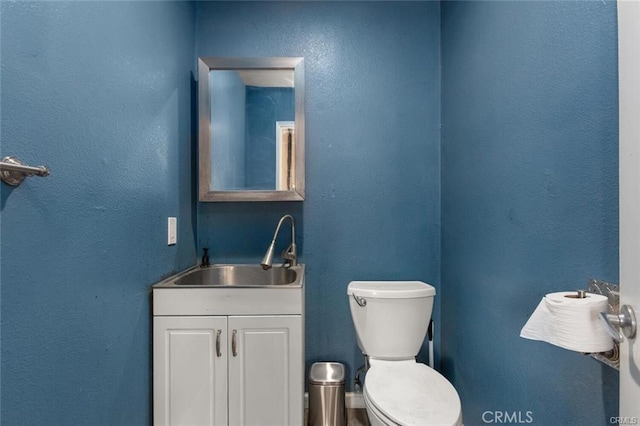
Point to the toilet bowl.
(408, 393)
(391, 320)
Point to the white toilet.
(391, 320)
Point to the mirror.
(251, 129)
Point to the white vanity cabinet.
(238, 360)
(189, 377)
(265, 374)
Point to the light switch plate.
(172, 231)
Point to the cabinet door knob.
(234, 343)
(218, 353)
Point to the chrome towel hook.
(14, 171)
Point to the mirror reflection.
(252, 129)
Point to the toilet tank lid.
(390, 289)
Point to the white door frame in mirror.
(206, 191)
(285, 130)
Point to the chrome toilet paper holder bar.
(580, 294)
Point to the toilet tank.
(390, 317)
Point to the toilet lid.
(412, 394)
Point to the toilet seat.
(407, 393)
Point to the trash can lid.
(326, 373)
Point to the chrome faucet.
(290, 254)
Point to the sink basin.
(231, 289)
(239, 276)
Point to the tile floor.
(357, 417)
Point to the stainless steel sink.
(231, 289)
(239, 276)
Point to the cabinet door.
(265, 371)
(189, 373)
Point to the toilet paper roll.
(569, 322)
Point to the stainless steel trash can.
(326, 394)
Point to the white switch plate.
(172, 231)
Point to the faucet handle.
(291, 254)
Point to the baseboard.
(351, 400)
(354, 400)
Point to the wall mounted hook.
(14, 171)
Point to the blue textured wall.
(265, 106)
(228, 105)
(101, 92)
(529, 204)
(372, 209)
